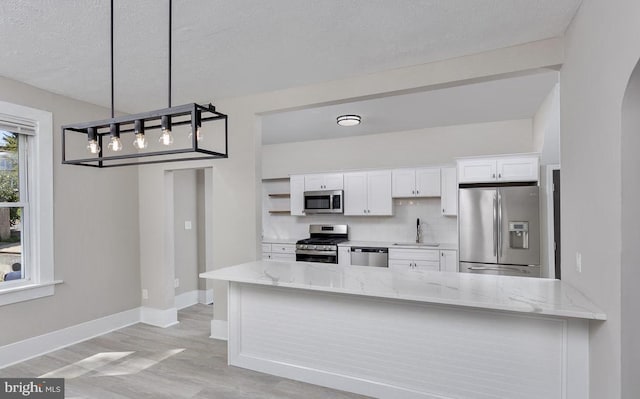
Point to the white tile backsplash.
(401, 227)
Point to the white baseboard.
(42, 344)
(159, 317)
(219, 329)
(205, 297)
(186, 299)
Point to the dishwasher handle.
(377, 250)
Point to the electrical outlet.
(176, 283)
(578, 262)
(145, 293)
(187, 225)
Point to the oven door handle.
(313, 252)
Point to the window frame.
(39, 278)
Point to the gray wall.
(95, 232)
(631, 238)
(601, 50)
(186, 241)
(409, 148)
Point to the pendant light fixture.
(141, 126)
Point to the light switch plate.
(187, 225)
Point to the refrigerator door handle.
(495, 226)
(499, 226)
(500, 268)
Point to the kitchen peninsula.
(409, 334)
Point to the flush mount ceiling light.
(348, 120)
(82, 143)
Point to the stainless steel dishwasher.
(370, 256)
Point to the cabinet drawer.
(283, 256)
(414, 254)
(266, 256)
(283, 248)
(266, 248)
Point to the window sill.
(27, 291)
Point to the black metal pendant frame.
(176, 116)
(197, 114)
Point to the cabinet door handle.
(443, 210)
(417, 191)
(499, 175)
(413, 191)
(493, 175)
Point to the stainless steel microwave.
(329, 201)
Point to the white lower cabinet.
(271, 251)
(344, 256)
(414, 259)
(423, 259)
(448, 261)
(401, 264)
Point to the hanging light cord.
(112, 73)
(170, 8)
(112, 96)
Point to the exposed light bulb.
(93, 147)
(198, 135)
(166, 138)
(140, 142)
(115, 144)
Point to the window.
(26, 198)
(14, 207)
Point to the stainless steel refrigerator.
(499, 230)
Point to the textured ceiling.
(505, 99)
(226, 48)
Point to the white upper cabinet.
(404, 183)
(476, 170)
(355, 193)
(421, 182)
(498, 169)
(296, 190)
(518, 169)
(368, 193)
(323, 181)
(449, 197)
(428, 182)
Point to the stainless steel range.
(322, 246)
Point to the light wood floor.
(142, 361)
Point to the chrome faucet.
(418, 232)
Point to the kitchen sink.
(417, 244)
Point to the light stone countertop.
(279, 240)
(404, 245)
(516, 294)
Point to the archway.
(630, 273)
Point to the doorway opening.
(189, 213)
(556, 222)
